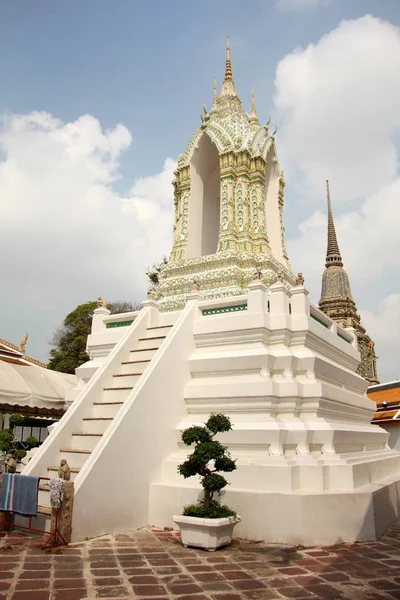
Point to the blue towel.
(19, 494)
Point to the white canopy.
(33, 386)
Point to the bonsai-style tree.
(208, 457)
(9, 443)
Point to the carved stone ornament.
(279, 277)
(10, 464)
(64, 471)
(101, 303)
(299, 279)
(150, 294)
(257, 274)
(195, 286)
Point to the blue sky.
(149, 66)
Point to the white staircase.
(99, 414)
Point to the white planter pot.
(206, 533)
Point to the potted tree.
(207, 524)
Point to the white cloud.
(300, 4)
(338, 106)
(67, 236)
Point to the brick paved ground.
(152, 565)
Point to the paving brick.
(383, 584)
(35, 575)
(107, 581)
(111, 592)
(184, 588)
(292, 571)
(30, 584)
(149, 590)
(249, 584)
(201, 568)
(237, 575)
(68, 584)
(31, 595)
(294, 592)
(70, 595)
(143, 580)
(228, 596)
(208, 576)
(261, 595)
(60, 574)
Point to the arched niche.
(204, 203)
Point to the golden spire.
(228, 87)
(214, 104)
(333, 256)
(253, 115)
(228, 66)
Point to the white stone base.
(308, 519)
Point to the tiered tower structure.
(337, 300)
(230, 330)
(228, 205)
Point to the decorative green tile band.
(343, 338)
(118, 324)
(224, 309)
(319, 320)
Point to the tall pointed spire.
(253, 115)
(333, 256)
(228, 87)
(228, 66)
(337, 300)
(214, 104)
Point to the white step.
(135, 366)
(136, 354)
(44, 496)
(53, 471)
(85, 441)
(152, 342)
(159, 330)
(126, 379)
(75, 457)
(96, 425)
(106, 409)
(116, 393)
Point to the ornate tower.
(337, 301)
(228, 205)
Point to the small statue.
(266, 126)
(299, 279)
(101, 303)
(273, 134)
(150, 294)
(22, 345)
(279, 277)
(10, 464)
(195, 286)
(64, 472)
(257, 274)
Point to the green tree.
(10, 444)
(69, 340)
(208, 457)
(153, 273)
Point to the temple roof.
(228, 124)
